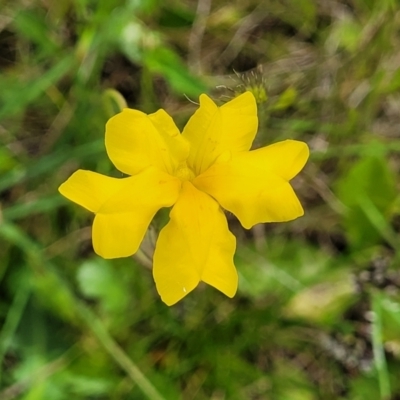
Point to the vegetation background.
(317, 315)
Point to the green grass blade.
(378, 349)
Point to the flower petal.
(195, 245)
(119, 235)
(285, 159)
(135, 141)
(213, 130)
(90, 189)
(124, 207)
(254, 185)
(178, 146)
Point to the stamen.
(184, 173)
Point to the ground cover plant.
(316, 315)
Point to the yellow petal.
(178, 146)
(119, 235)
(89, 189)
(195, 245)
(135, 141)
(213, 130)
(124, 207)
(151, 189)
(254, 185)
(285, 159)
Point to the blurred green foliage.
(317, 315)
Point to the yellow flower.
(206, 168)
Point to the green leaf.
(285, 100)
(7, 162)
(176, 16)
(98, 280)
(368, 191)
(345, 34)
(165, 62)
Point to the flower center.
(184, 173)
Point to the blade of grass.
(14, 234)
(116, 352)
(41, 374)
(379, 221)
(50, 162)
(42, 205)
(24, 93)
(378, 349)
(12, 320)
